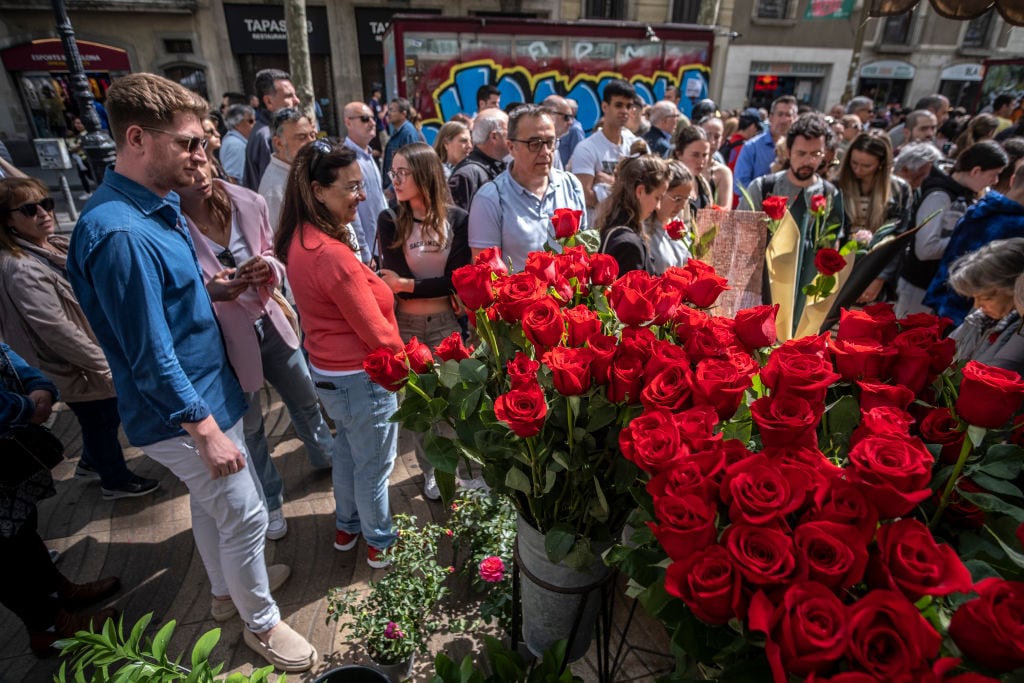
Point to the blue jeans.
(286, 370)
(101, 449)
(364, 453)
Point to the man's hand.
(221, 287)
(44, 406)
(218, 452)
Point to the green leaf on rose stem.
(448, 374)
(427, 382)
(826, 284)
(441, 452)
(517, 480)
(581, 556)
(987, 501)
(559, 541)
(980, 569)
(1003, 461)
(472, 370)
(561, 457)
(437, 408)
(550, 477)
(740, 426)
(976, 434)
(599, 506)
(995, 485)
(600, 413)
(1011, 554)
(849, 248)
(465, 399)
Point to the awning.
(48, 55)
(962, 10)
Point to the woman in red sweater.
(346, 312)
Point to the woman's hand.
(396, 282)
(257, 273)
(221, 287)
(44, 406)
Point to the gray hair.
(996, 266)
(914, 118)
(284, 116)
(532, 111)
(858, 103)
(236, 114)
(662, 110)
(916, 155)
(486, 122)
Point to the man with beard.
(807, 141)
(133, 267)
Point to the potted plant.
(483, 528)
(569, 354)
(395, 616)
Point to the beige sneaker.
(277, 574)
(285, 649)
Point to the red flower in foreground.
(990, 630)
(566, 222)
(989, 396)
(829, 261)
(492, 569)
(419, 355)
(388, 368)
(522, 409)
(774, 206)
(452, 348)
(675, 229)
(818, 204)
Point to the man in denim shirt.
(134, 270)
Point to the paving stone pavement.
(148, 543)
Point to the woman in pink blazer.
(234, 244)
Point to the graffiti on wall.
(457, 92)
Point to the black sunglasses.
(364, 118)
(32, 208)
(188, 143)
(321, 148)
(227, 259)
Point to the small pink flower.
(392, 632)
(449, 533)
(451, 570)
(492, 569)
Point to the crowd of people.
(210, 261)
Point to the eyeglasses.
(189, 143)
(535, 144)
(30, 209)
(399, 174)
(364, 118)
(320, 149)
(355, 189)
(676, 197)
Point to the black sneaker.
(135, 486)
(85, 471)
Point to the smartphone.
(246, 264)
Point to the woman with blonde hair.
(640, 183)
(423, 240)
(981, 127)
(452, 144)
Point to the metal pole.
(99, 147)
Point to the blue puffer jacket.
(995, 217)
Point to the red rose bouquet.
(828, 260)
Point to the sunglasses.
(189, 143)
(364, 118)
(227, 259)
(32, 208)
(321, 148)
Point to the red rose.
(686, 524)
(755, 326)
(763, 555)
(473, 285)
(774, 206)
(799, 368)
(806, 633)
(603, 269)
(651, 441)
(786, 420)
(543, 323)
(570, 369)
(695, 472)
(574, 262)
(419, 356)
(706, 285)
(632, 298)
(697, 426)
(909, 560)
(709, 341)
(566, 222)
(452, 348)
(709, 583)
(829, 261)
(862, 359)
(878, 395)
(989, 396)
(835, 555)
(883, 420)
(515, 293)
(542, 264)
(491, 257)
(889, 638)
(388, 368)
(676, 229)
(938, 325)
(582, 324)
(818, 204)
(762, 492)
(719, 384)
(962, 512)
(625, 377)
(877, 321)
(921, 356)
(669, 389)
(522, 370)
(894, 472)
(522, 409)
(661, 354)
(667, 297)
(844, 503)
(940, 427)
(604, 348)
(990, 629)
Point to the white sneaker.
(277, 525)
(84, 196)
(430, 489)
(474, 483)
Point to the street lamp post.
(99, 147)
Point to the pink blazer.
(243, 346)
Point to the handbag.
(24, 451)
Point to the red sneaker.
(343, 540)
(375, 558)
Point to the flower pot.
(398, 671)
(352, 673)
(549, 615)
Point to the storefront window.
(773, 9)
(977, 31)
(605, 9)
(896, 30)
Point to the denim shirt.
(755, 159)
(134, 269)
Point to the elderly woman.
(990, 333)
(41, 319)
(30, 586)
